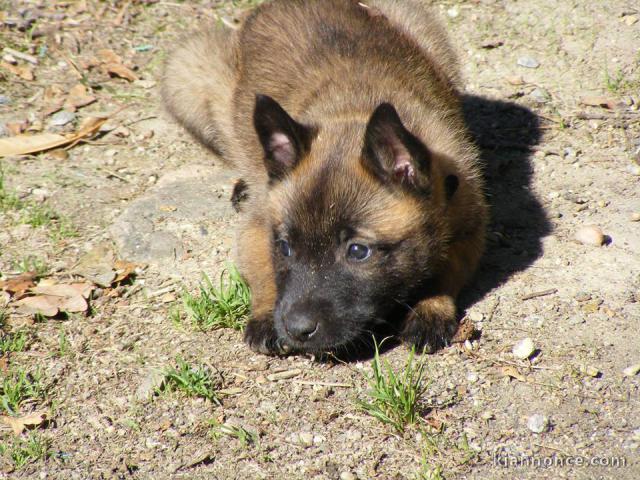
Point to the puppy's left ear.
(393, 154)
(284, 140)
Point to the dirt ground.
(553, 100)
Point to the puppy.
(364, 203)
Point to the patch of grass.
(394, 398)
(224, 306)
(244, 436)
(22, 451)
(191, 381)
(31, 263)
(13, 342)
(19, 386)
(63, 343)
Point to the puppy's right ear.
(284, 140)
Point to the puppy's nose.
(301, 327)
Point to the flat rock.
(174, 215)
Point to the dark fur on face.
(351, 239)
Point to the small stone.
(62, 118)
(472, 377)
(634, 170)
(570, 153)
(589, 371)
(453, 12)
(306, 439)
(476, 316)
(635, 217)
(540, 95)
(152, 179)
(632, 370)
(40, 194)
(515, 80)
(583, 296)
(528, 62)
(148, 386)
(630, 20)
(524, 349)
(590, 235)
(111, 152)
(4, 100)
(538, 423)
(347, 476)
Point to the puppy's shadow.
(506, 133)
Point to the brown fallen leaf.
(16, 128)
(107, 55)
(119, 70)
(509, 371)
(4, 363)
(79, 97)
(45, 306)
(604, 102)
(25, 144)
(20, 284)
(19, 424)
(465, 331)
(124, 270)
(26, 73)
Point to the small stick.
(543, 293)
(22, 56)
(323, 384)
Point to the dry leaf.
(26, 73)
(46, 306)
(4, 363)
(19, 424)
(509, 371)
(119, 70)
(604, 102)
(18, 285)
(25, 144)
(16, 128)
(109, 56)
(124, 270)
(79, 97)
(465, 331)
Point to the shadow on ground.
(506, 133)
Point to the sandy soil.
(561, 143)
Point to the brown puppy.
(365, 202)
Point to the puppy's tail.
(198, 84)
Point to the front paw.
(431, 324)
(261, 337)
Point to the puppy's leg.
(432, 321)
(254, 261)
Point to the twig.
(22, 56)
(543, 293)
(162, 291)
(323, 384)
(111, 173)
(552, 448)
(612, 116)
(136, 288)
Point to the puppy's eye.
(285, 248)
(358, 252)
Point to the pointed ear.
(392, 153)
(283, 139)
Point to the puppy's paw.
(431, 324)
(261, 337)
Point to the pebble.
(4, 100)
(540, 95)
(524, 348)
(40, 194)
(472, 377)
(590, 235)
(453, 12)
(632, 370)
(589, 371)
(570, 153)
(635, 217)
(62, 118)
(538, 423)
(583, 296)
(476, 316)
(306, 439)
(347, 476)
(148, 386)
(634, 170)
(528, 62)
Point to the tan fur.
(403, 57)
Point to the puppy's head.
(356, 212)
